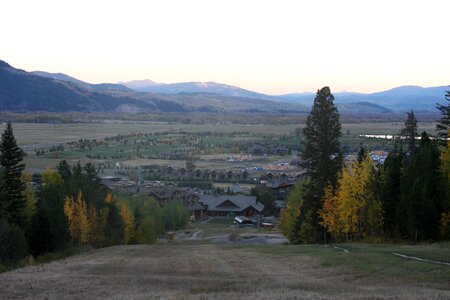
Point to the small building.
(225, 205)
(169, 170)
(182, 172)
(198, 173)
(213, 174)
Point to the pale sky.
(273, 47)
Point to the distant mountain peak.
(4, 64)
(139, 84)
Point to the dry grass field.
(196, 268)
(204, 271)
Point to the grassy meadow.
(200, 269)
(218, 140)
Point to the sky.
(273, 47)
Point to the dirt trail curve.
(206, 271)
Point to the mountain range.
(43, 91)
(398, 99)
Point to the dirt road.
(206, 271)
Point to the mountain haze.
(43, 91)
(394, 100)
(39, 90)
(200, 87)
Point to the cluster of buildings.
(199, 206)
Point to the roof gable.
(227, 204)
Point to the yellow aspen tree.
(83, 220)
(330, 212)
(77, 216)
(347, 206)
(128, 221)
(69, 208)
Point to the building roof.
(229, 203)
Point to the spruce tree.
(322, 147)
(323, 154)
(11, 160)
(390, 189)
(409, 132)
(421, 200)
(443, 126)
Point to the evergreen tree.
(322, 147)
(409, 132)
(362, 154)
(323, 153)
(64, 170)
(49, 230)
(443, 126)
(11, 157)
(114, 225)
(421, 201)
(390, 188)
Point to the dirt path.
(207, 271)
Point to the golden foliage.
(354, 207)
(108, 198)
(330, 211)
(77, 216)
(128, 221)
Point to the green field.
(207, 142)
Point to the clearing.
(199, 269)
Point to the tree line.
(71, 208)
(406, 198)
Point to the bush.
(13, 245)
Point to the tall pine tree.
(11, 159)
(420, 205)
(322, 147)
(323, 153)
(409, 132)
(390, 191)
(443, 126)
